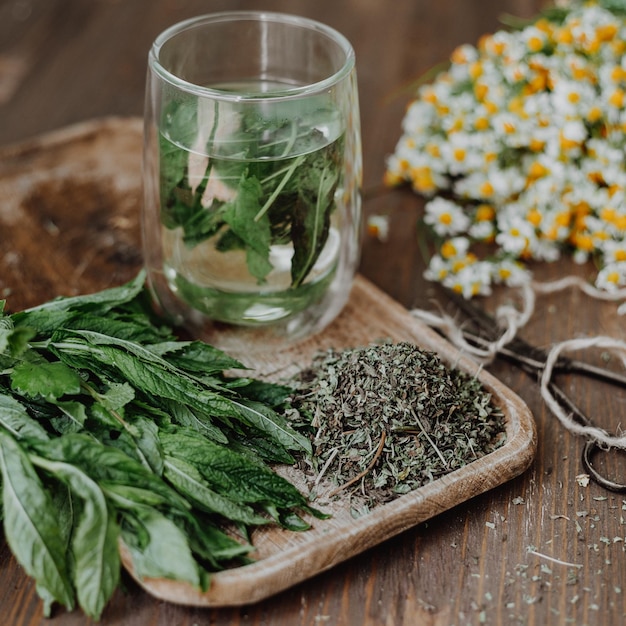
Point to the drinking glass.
(252, 170)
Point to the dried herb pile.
(389, 418)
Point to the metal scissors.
(532, 360)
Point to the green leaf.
(311, 220)
(41, 318)
(31, 525)
(231, 473)
(240, 215)
(167, 553)
(148, 372)
(272, 394)
(96, 561)
(129, 327)
(188, 480)
(45, 379)
(294, 522)
(196, 356)
(138, 438)
(116, 396)
(15, 418)
(129, 496)
(212, 544)
(14, 341)
(105, 464)
(184, 416)
(272, 424)
(72, 419)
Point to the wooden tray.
(69, 204)
(287, 558)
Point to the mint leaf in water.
(281, 178)
(255, 235)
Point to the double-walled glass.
(252, 172)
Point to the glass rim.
(259, 16)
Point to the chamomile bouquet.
(518, 147)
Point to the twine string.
(511, 320)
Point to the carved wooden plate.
(286, 558)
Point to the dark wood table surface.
(500, 558)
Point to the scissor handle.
(591, 447)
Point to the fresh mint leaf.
(149, 372)
(183, 415)
(166, 554)
(49, 380)
(231, 473)
(92, 389)
(107, 465)
(272, 394)
(275, 426)
(196, 356)
(136, 436)
(116, 396)
(189, 481)
(31, 525)
(123, 326)
(15, 419)
(13, 341)
(73, 416)
(100, 302)
(96, 560)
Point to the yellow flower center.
(475, 70)
(480, 91)
(486, 189)
(485, 212)
(433, 149)
(459, 56)
(616, 99)
(447, 250)
(537, 170)
(491, 107)
(535, 43)
(422, 178)
(594, 114)
(481, 123)
(534, 216)
(459, 154)
(606, 32)
(564, 36)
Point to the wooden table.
(500, 558)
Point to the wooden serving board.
(287, 558)
(69, 216)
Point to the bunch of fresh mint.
(112, 429)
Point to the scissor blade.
(524, 354)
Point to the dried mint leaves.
(388, 418)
